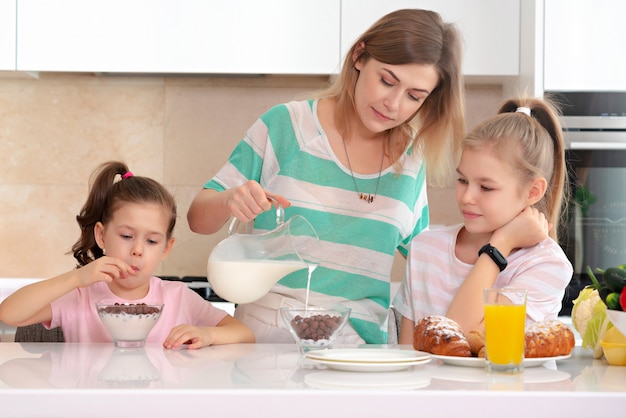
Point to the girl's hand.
(103, 269)
(248, 200)
(528, 228)
(195, 337)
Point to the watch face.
(498, 255)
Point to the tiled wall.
(56, 129)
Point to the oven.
(594, 233)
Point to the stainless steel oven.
(594, 125)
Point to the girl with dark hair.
(126, 230)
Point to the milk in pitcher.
(244, 281)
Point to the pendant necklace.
(368, 197)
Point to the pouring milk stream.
(244, 267)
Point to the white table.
(273, 380)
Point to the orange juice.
(504, 333)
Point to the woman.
(353, 162)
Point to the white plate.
(381, 381)
(368, 355)
(480, 362)
(353, 366)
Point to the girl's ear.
(98, 232)
(168, 247)
(537, 190)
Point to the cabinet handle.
(598, 145)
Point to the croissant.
(476, 340)
(548, 339)
(440, 335)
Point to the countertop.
(274, 380)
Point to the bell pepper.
(622, 299)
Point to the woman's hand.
(103, 269)
(210, 209)
(248, 200)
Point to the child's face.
(388, 95)
(488, 192)
(137, 235)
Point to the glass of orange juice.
(505, 320)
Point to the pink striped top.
(435, 275)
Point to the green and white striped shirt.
(288, 153)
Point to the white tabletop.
(258, 380)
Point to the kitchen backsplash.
(56, 129)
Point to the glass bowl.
(618, 318)
(314, 327)
(129, 324)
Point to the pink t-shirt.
(435, 275)
(75, 312)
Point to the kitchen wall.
(55, 129)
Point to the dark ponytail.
(107, 192)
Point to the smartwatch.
(495, 255)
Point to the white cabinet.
(7, 35)
(490, 29)
(179, 36)
(584, 45)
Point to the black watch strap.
(495, 255)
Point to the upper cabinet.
(583, 45)
(179, 36)
(234, 36)
(7, 35)
(490, 29)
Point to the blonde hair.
(412, 36)
(532, 145)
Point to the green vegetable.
(612, 301)
(596, 284)
(604, 293)
(615, 279)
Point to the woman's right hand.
(103, 269)
(248, 200)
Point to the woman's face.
(388, 95)
(488, 192)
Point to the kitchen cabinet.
(7, 35)
(583, 45)
(179, 36)
(490, 29)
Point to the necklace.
(368, 197)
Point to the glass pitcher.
(244, 267)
